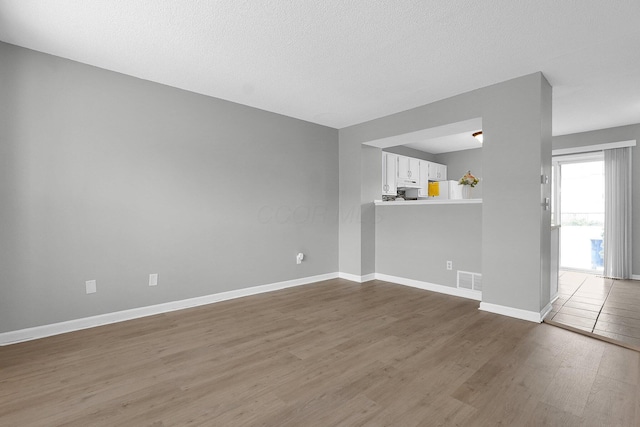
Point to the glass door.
(578, 207)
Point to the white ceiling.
(447, 143)
(440, 139)
(342, 62)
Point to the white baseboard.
(547, 309)
(635, 276)
(531, 316)
(464, 293)
(43, 331)
(368, 277)
(356, 278)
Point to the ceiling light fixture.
(478, 136)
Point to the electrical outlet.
(449, 265)
(90, 286)
(299, 258)
(153, 279)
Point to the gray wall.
(516, 117)
(108, 177)
(516, 231)
(622, 133)
(415, 242)
(350, 209)
(371, 190)
(459, 162)
(410, 152)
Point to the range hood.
(407, 183)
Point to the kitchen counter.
(429, 202)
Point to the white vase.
(466, 192)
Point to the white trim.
(635, 277)
(531, 316)
(36, 332)
(593, 156)
(596, 147)
(547, 309)
(351, 277)
(428, 202)
(356, 278)
(449, 290)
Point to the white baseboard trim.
(531, 316)
(547, 309)
(43, 331)
(464, 293)
(356, 278)
(635, 276)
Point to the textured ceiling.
(342, 62)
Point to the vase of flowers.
(468, 181)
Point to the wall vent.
(470, 281)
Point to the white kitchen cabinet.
(389, 174)
(408, 168)
(424, 178)
(437, 172)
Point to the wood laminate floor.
(604, 308)
(330, 353)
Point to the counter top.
(429, 202)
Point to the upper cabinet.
(437, 172)
(408, 168)
(410, 173)
(389, 174)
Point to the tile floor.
(601, 307)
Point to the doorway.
(578, 207)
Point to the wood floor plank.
(620, 364)
(611, 402)
(548, 415)
(334, 353)
(570, 389)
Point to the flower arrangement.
(469, 180)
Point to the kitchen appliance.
(407, 183)
(449, 190)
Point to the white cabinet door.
(408, 168)
(433, 171)
(424, 178)
(414, 169)
(437, 172)
(403, 167)
(389, 174)
(442, 172)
